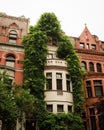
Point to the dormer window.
(13, 36)
(93, 46)
(81, 45)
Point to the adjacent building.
(12, 30)
(91, 54)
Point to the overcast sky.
(72, 14)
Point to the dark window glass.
(49, 81)
(98, 88)
(89, 92)
(93, 123)
(59, 81)
(92, 118)
(67, 83)
(92, 111)
(50, 108)
(69, 108)
(98, 91)
(98, 66)
(60, 108)
(101, 122)
(89, 89)
(91, 67)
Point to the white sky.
(72, 14)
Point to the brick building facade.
(12, 29)
(91, 54)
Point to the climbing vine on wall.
(35, 45)
(67, 52)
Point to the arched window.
(83, 64)
(13, 36)
(98, 66)
(10, 60)
(91, 67)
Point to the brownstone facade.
(91, 54)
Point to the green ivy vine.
(36, 50)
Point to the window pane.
(91, 66)
(101, 122)
(69, 108)
(92, 111)
(49, 75)
(89, 91)
(93, 46)
(81, 45)
(60, 108)
(10, 63)
(50, 108)
(58, 75)
(83, 64)
(50, 56)
(49, 81)
(97, 82)
(93, 122)
(98, 91)
(13, 36)
(59, 84)
(68, 85)
(98, 67)
(88, 83)
(49, 84)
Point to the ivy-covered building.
(58, 70)
(58, 88)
